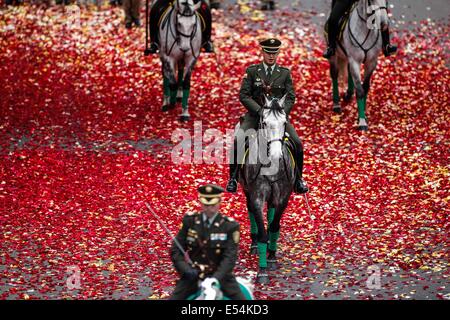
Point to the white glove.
(210, 289)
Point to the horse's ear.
(197, 5)
(281, 102)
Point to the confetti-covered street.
(83, 144)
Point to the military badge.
(218, 236)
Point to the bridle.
(263, 127)
(178, 34)
(352, 36)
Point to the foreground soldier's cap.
(270, 45)
(210, 194)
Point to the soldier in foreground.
(211, 243)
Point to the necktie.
(269, 72)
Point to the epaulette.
(191, 214)
(229, 219)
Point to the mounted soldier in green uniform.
(158, 9)
(338, 9)
(266, 79)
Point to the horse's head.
(273, 124)
(377, 12)
(186, 22)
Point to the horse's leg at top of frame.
(166, 86)
(186, 91)
(350, 87)
(273, 239)
(334, 73)
(169, 85)
(369, 69)
(253, 234)
(166, 90)
(180, 85)
(186, 85)
(173, 93)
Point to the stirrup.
(232, 185)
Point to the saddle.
(342, 22)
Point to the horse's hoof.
(254, 250)
(272, 265)
(348, 97)
(184, 118)
(363, 125)
(167, 107)
(363, 128)
(262, 278)
(337, 109)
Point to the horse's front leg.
(355, 71)
(369, 68)
(274, 218)
(334, 73)
(169, 84)
(350, 87)
(186, 85)
(180, 83)
(256, 210)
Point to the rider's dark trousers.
(158, 9)
(339, 7)
(229, 286)
(251, 122)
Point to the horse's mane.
(275, 107)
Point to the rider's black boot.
(232, 184)
(388, 48)
(205, 12)
(153, 49)
(329, 53)
(209, 47)
(300, 186)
